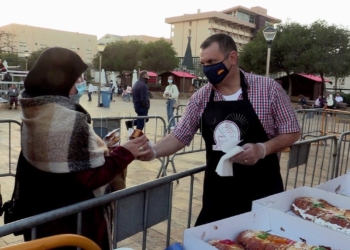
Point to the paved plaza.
(140, 172)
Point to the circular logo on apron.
(226, 132)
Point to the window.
(172, 33)
(107, 37)
(22, 44)
(209, 20)
(190, 23)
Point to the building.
(31, 38)
(239, 22)
(109, 38)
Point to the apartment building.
(30, 38)
(239, 22)
(109, 38)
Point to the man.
(13, 94)
(140, 99)
(234, 106)
(338, 98)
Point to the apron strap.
(212, 94)
(244, 86)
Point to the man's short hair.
(143, 73)
(225, 42)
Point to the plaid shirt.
(268, 98)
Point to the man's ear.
(233, 57)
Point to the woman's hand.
(138, 146)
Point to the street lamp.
(183, 81)
(26, 55)
(139, 63)
(101, 48)
(269, 34)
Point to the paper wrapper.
(110, 136)
(224, 167)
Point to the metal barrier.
(343, 151)
(133, 212)
(320, 153)
(197, 145)
(180, 109)
(152, 129)
(10, 146)
(321, 122)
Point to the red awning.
(183, 74)
(314, 78)
(152, 74)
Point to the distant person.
(140, 99)
(112, 87)
(338, 98)
(2, 67)
(302, 103)
(13, 94)
(320, 102)
(128, 92)
(330, 101)
(90, 90)
(171, 94)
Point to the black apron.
(224, 197)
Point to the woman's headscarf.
(54, 73)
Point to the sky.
(140, 17)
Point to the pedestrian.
(140, 99)
(234, 106)
(90, 90)
(13, 94)
(171, 95)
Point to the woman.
(171, 94)
(62, 161)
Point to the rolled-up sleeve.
(282, 110)
(189, 123)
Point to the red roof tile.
(183, 74)
(314, 78)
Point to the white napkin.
(224, 167)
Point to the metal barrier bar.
(117, 121)
(302, 153)
(343, 151)
(194, 149)
(34, 221)
(9, 121)
(321, 122)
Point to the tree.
(329, 51)
(119, 56)
(158, 56)
(34, 57)
(286, 49)
(6, 42)
(316, 49)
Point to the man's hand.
(251, 154)
(151, 154)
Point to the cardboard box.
(340, 185)
(265, 219)
(283, 201)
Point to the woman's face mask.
(81, 87)
(170, 81)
